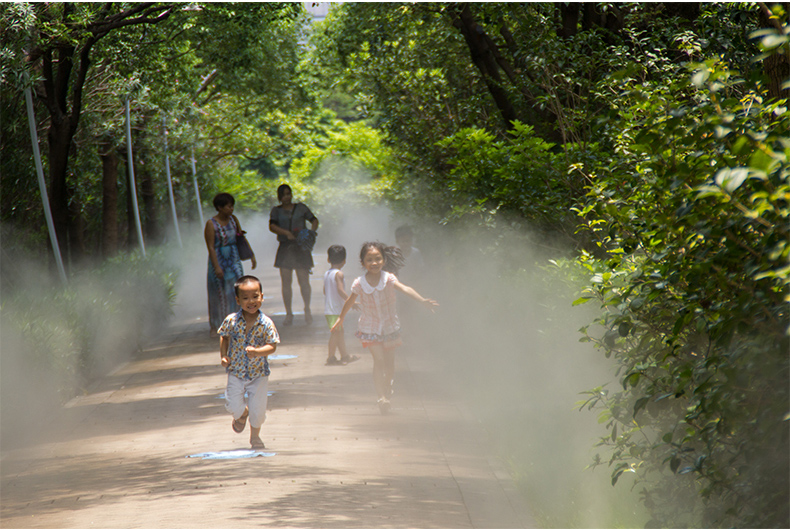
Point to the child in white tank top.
(334, 298)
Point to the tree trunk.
(568, 19)
(62, 83)
(59, 139)
(485, 61)
(109, 159)
(776, 66)
(76, 226)
(148, 196)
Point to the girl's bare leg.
(379, 372)
(389, 370)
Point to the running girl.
(379, 328)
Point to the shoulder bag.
(245, 250)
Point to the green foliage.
(520, 174)
(692, 221)
(101, 317)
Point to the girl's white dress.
(378, 321)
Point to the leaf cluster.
(692, 222)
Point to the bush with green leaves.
(102, 316)
(692, 274)
(520, 174)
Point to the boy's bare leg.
(333, 346)
(255, 438)
(240, 422)
(341, 345)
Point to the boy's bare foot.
(308, 317)
(257, 443)
(239, 424)
(289, 319)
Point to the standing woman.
(286, 220)
(224, 265)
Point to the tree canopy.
(651, 138)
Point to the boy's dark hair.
(246, 279)
(281, 191)
(223, 199)
(393, 258)
(336, 254)
(404, 230)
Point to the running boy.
(247, 338)
(334, 297)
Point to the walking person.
(379, 328)
(247, 338)
(224, 265)
(287, 220)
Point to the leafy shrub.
(102, 316)
(520, 174)
(692, 223)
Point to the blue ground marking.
(231, 455)
(279, 357)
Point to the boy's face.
(250, 297)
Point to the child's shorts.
(331, 319)
(388, 341)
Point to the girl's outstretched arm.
(409, 291)
(349, 303)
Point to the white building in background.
(317, 9)
(318, 12)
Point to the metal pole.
(197, 189)
(42, 185)
(170, 186)
(133, 191)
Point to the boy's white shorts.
(257, 398)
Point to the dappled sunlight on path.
(117, 456)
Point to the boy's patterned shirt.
(262, 332)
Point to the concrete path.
(117, 456)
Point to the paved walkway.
(118, 455)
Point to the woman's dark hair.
(223, 199)
(393, 259)
(281, 191)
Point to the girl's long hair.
(393, 258)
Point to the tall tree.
(63, 40)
